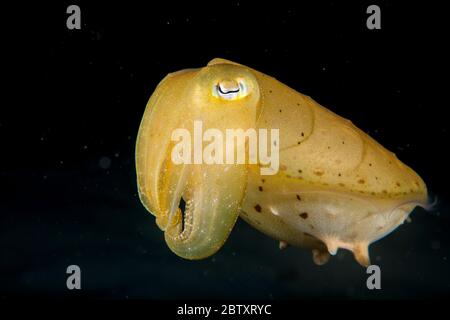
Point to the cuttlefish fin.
(222, 61)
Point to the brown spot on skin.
(303, 134)
(303, 215)
(343, 142)
(298, 198)
(329, 147)
(384, 191)
(318, 173)
(260, 188)
(361, 181)
(258, 208)
(263, 180)
(397, 184)
(300, 171)
(339, 174)
(283, 167)
(298, 104)
(298, 142)
(280, 110)
(370, 164)
(270, 91)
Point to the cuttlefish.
(336, 187)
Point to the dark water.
(68, 190)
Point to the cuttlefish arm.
(212, 192)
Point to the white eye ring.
(230, 89)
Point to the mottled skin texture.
(336, 188)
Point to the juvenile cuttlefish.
(336, 187)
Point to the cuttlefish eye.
(230, 89)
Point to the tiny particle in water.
(104, 162)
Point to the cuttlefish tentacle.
(336, 187)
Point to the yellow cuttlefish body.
(336, 187)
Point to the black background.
(68, 130)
